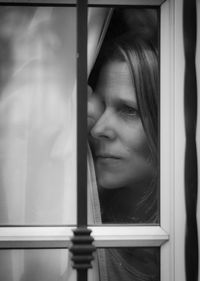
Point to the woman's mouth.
(107, 159)
(107, 156)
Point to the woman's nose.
(103, 129)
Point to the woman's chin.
(108, 182)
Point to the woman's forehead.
(115, 81)
(116, 70)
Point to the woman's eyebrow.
(130, 102)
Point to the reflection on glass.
(123, 123)
(35, 265)
(37, 115)
(126, 264)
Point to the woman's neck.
(129, 204)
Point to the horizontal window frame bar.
(35, 237)
(25, 237)
(90, 2)
(129, 236)
(39, 2)
(60, 237)
(36, 244)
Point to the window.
(34, 237)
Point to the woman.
(124, 136)
(123, 116)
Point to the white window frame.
(172, 226)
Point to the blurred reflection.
(37, 115)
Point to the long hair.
(141, 57)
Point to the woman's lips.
(107, 155)
(107, 159)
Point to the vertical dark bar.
(82, 123)
(82, 275)
(191, 171)
(82, 247)
(82, 113)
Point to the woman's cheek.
(142, 158)
(134, 138)
(137, 147)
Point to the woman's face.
(121, 152)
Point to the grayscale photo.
(99, 140)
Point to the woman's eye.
(128, 111)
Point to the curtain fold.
(98, 21)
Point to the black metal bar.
(82, 113)
(82, 275)
(191, 165)
(82, 247)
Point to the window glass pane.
(123, 116)
(35, 265)
(37, 115)
(126, 264)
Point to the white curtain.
(98, 21)
(37, 115)
(38, 131)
